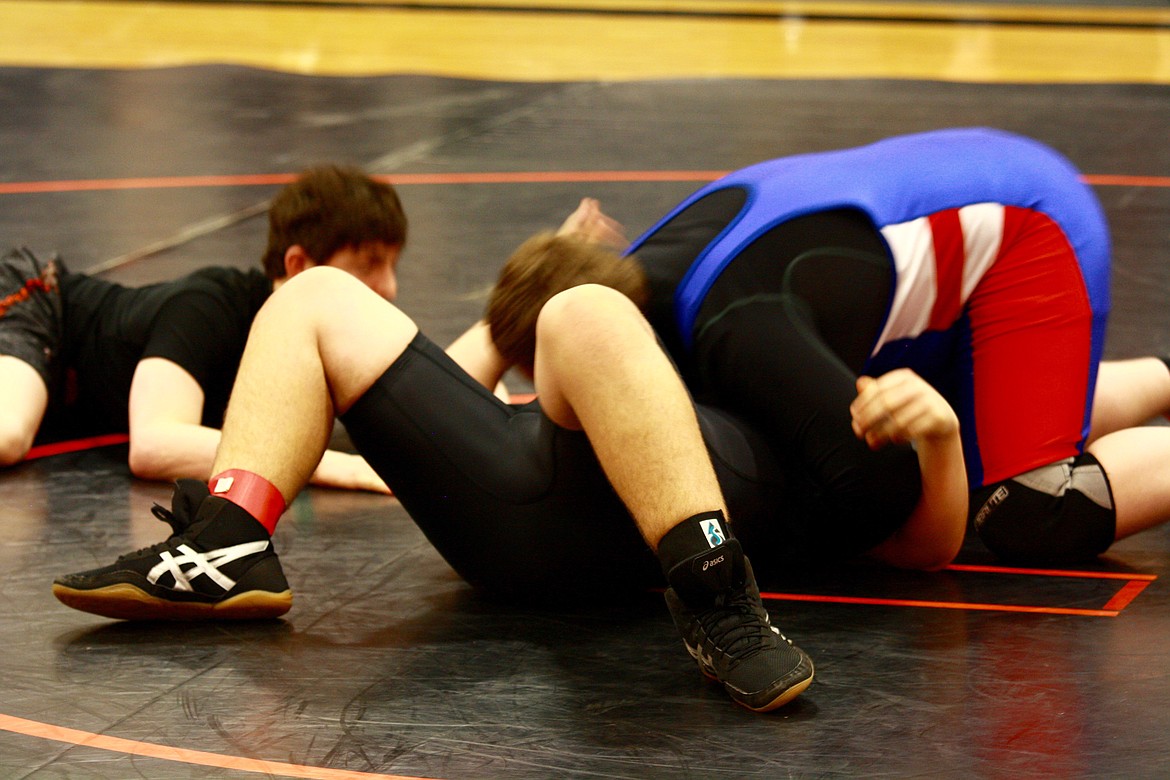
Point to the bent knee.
(311, 301)
(1059, 513)
(321, 287)
(589, 312)
(586, 303)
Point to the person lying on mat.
(610, 480)
(81, 356)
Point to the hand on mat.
(898, 407)
(590, 224)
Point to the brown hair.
(329, 208)
(543, 266)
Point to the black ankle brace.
(700, 558)
(221, 523)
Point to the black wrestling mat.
(388, 665)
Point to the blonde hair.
(541, 267)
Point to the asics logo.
(707, 564)
(712, 531)
(198, 563)
(705, 660)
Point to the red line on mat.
(499, 177)
(940, 604)
(251, 180)
(1096, 575)
(1118, 180)
(1134, 584)
(1128, 593)
(154, 182)
(133, 747)
(76, 445)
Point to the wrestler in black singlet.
(511, 500)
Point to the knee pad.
(1059, 513)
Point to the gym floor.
(143, 139)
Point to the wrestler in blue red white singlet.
(976, 257)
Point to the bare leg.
(313, 350)
(1129, 393)
(600, 369)
(1137, 462)
(24, 398)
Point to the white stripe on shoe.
(202, 563)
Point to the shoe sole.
(126, 602)
(782, 699)
(788, 694)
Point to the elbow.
(147, 458)
(16, 439)
(12, 450)
(943, 551)
(921, 554)
(939, 560)
(926, 557)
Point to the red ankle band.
(252, 492)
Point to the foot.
(734, 642)
(218, 564)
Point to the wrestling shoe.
(218, 563)
(733, 640)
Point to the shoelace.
(168, 517)
(735, 626)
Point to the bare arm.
(902, 407)
(24, 398)
(476, 353)
(168, 441)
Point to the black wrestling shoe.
(734, 642)
(219, 563)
